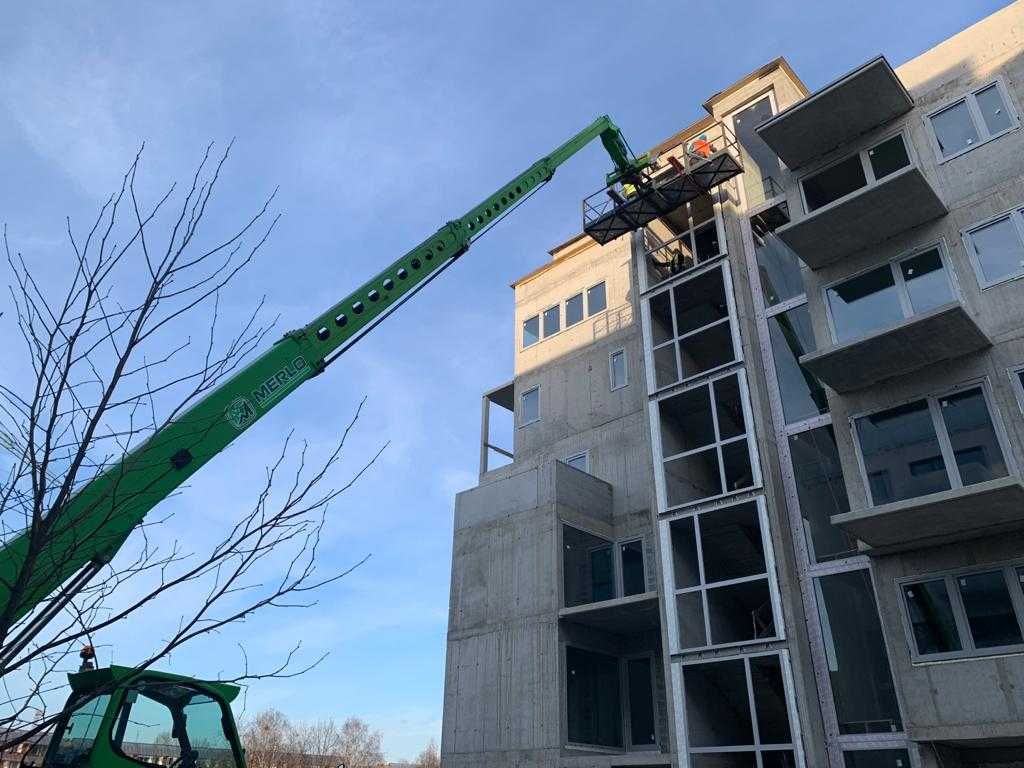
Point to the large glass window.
(588, 572)
(886, 295)
(531, 331)
(721, 577)
(965, 614)
(618, 370)
(903, 454)
(723, 701)
(821, 491)
(597, 300)
(855, 172)
(858, 667)
(681, 240)
(78, 732)
(778, 267)
(792, 335)
(761, 165)
(704, 442)
(641, 702)
(691, 328)
(593, 699)
(552, 318)
(997, 249)
(530, 410)
(573, 310)
(978, 117)
(634, 578)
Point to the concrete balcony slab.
(943, 333)
(623, 615)
(831, 117)
(982, 509)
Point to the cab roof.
(90, 680)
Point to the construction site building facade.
(763, 505)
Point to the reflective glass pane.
(858, 666)
(901, 453)
(597, 301)
(993, 109)
(864, 303)
(593, 703)
(760, 163)
(792, 335)
(834, 182)
(602, 573)
(204, 723)
(531, 406)
(79, 732)
(717, 704)
(617, 369)
(926, 280)
(573, 309)
(633, 579)
(586, 567)
(641, 701)
(998, 249)
(531, 331)
(954, 129)
(931, 617)
(821, 491)
(888, 157)
(989, 610)
(978, 455)
(552, 319)
(700, 301)
(876, 758)
(777, 264)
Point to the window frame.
(732, 319)
(611, 369)
(903, 295)
(723, 247)
(1016, 217)
(672, 591)
(769, 92)
(977, 118)
(578, 454)
(869, 172)
(543, 324)
(583, 309)
(522, 395)
(619, 544)
(522, 330)
(967, 650)
(749, 435)
(1017, 384)
(586, 291)
(941, 434)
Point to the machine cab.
(119, 717)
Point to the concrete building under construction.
(764, 503)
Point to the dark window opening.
(834, 182)
(593, 702)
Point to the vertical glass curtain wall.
(859, 702)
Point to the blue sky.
(379, 121)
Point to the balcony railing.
(707, 160)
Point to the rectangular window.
(978, 117)
(692, 328)
(573, 310)
(588, 574)
(760, 165)
(597, 301)
(681, 240)
(821, 491)
(779, 268)
(530, 410)
(578, 461)
(704, 442)
(929, 445)
(721, 577)
(792, 335)
(531, 331)
(886, 295)
(634, 579)
(618, 374)
(641, 702)
(593, 698)
(850, 174)
(997, 249)
(552, 318)
(858, 666)
(876, 758)
(724, 700)
(965, 614)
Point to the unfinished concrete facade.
(764, 503)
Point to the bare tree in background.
(110, 361)
(429, 757)
(272, 741)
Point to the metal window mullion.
(976, 115)
(945, 445)
(869, 172)
(753, 709)
(713, 399)
(675, 336)
(705, 608)
(902, 293)
(959, 614)
(1016, 594)
(708, 327)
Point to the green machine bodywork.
(92, 527)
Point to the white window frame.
(869, 171)
(902, 294)
(796, 744)
(587, 291)
(731, 319)
(941, 434)
(749, 436)
(522, 396)
(543, 325)
(976, 117)
(672, 591)
(967, 650)
(585, 455)
(522, 331)
(723, 246)
(1016, 217)
(583, 307)
(611, 369)
(643, 552)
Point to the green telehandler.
(120, 717)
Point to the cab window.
(78, 733)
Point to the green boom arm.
(96, 522)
